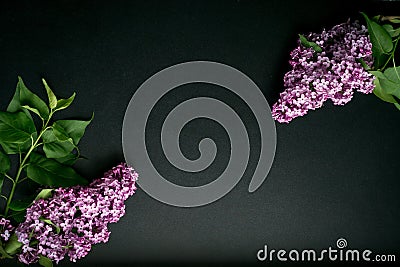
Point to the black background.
(335, 172)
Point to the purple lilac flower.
(334, 73)
(6, 230)
(75, 218)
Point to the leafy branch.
(384, 33)
(46, 153)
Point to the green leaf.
(52, 173)
(387, 84)
(306, 43)
(3, 253)
(13, 245)
(390, 87)
(393, 74)
(376, 18)
(24, 97)
(50, 95)
(390, 81)
(397, 106)
(5, 164)
(72, 128)
(378, 74)
(64, 103)
(55, 148)
(380, 39)
(379, 93)
(395, 20)
(69, 160)
(20, 205)
(51, 223)
(15, 104)
(45, 193)
(44, 261)
(34, 110)
(60, 133)
(380, 60)
(393, 32)
(363, 64)
(316, 47)
(15, 131)
(19, 216)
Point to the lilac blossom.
(75, 218)
(335, 73)
(6, 229)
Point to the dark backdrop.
(336, 170)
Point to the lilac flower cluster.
(334, 73)
(75, 218)
(6, 229)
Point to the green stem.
(23, 179)
(392, 54)
(384, 66)
(22, 165)
(9, 177)
(395, 70)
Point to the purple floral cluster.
(6, 229)
(335, 73)
(75, 218)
